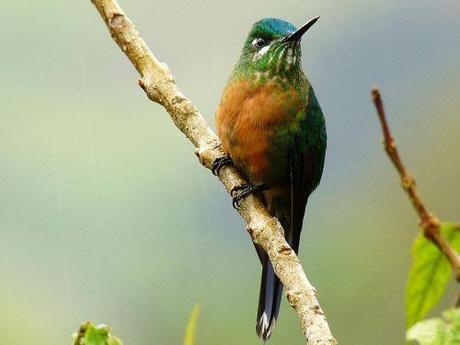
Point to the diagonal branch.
(158, 83)
(428, 222)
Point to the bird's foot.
(240, 192)
(219, 163)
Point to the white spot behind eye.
(261, 52)
(258, 42)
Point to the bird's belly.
(250, 152)
(248, 122)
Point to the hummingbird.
(273, 131)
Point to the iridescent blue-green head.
(273, 46)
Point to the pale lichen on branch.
(158, 83)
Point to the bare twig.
(159, 85)
(428, 221)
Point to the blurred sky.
(106, 215)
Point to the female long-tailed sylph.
(273, 131)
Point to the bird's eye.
(259, 42)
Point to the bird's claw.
(240, 192)
(219, 163)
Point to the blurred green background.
(105, 214)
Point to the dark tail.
(270, 296)
(290, 211)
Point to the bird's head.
(273, 46)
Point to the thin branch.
(429, 223)
(158, 83)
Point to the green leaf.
(90, 334)
(189, 337)
(429, 274)
(445, 331)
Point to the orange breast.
(246, 120)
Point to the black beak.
(297, 35)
